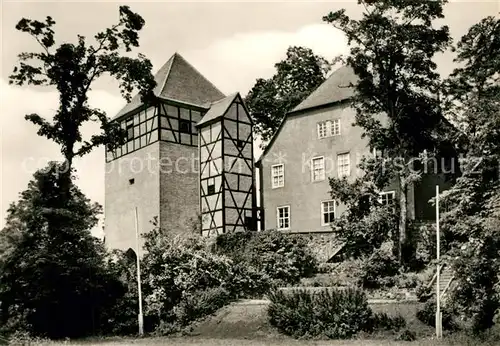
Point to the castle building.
(315, 141)
(188, 157)
(188, 162)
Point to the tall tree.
(300, 73)
(471, 224)
(54, 279)
(72, 69)
(391, 51)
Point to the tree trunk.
(403, 236)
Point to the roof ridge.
(233, 95)
(198, 72)
(167, 74)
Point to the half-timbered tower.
(227, 185)
(157, 170)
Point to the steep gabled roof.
(177, 80)
(339, 86)
(218, 109)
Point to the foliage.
(425, 243)
(121, 318)
(201, 303)
(248, 282)
(72, 69)
(363, 234)
(233, 244)
(300, 73)
(335, 314)
(477, 293)
(382, 321)
(281, 257)
(472, 222)
(55, 279)
(175, 268)
(424, 292)
(392, 47)
(350, 272)
(407, 335)
(379, 270)
(427, 315)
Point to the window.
(343, 165)
(329, 128)
(131, 181)
(130, 129)
(211, 189)
(387, 198)
(240, 143)
(184, 126)
(327, 212)
(278, 176)
(283, 215)
(318, 168)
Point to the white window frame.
(273, 185)
(323, 176)
(278, 218)
(387, 193)
(328, 128)
(340, 173)
(323, 211)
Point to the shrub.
(248, 282)
(232, 244)
(382, 321)
(349, 273)
(325, 268)
(282, 257)
(201, 303)
(176, 273)
(379, 270)
(406, 335)
(407, 280)
(334, 314)
(423, 292)
(427, 315)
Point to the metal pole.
(439, 330)
(140, 316)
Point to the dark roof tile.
(179, 81)
(339, 86)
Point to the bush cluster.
(282, 258)
(333, 314)
(379, 270)
(427, 315)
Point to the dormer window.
(328, 128)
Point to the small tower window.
(131, 181)
(130, 130)
(211, 189)
(241, 143)
(185, 126)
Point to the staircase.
(445, 280)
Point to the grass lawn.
(197, 341)
(246, 324)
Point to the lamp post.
(140, 316)
(439, 324)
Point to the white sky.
(231, 43)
